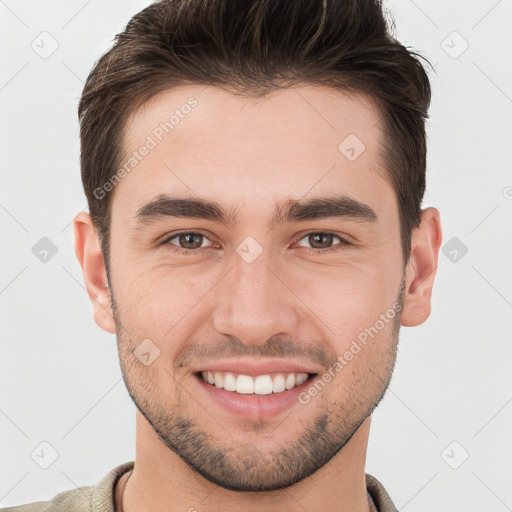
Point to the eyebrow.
(343, 207)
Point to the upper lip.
(254, 367)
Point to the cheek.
(348, 299)
(161, 304)
(356, 381)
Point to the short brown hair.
(253, 47)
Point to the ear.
(421, 269)
(89, 254)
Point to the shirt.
(101, 497)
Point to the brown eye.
(187, 241)
(190, 240)
(320, 240)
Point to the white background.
(59, 373)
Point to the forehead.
(208, 142)
(293, 114)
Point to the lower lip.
(254, 407)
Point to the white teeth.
(263, 385)
(260, 385)
(290, 381)
(229, 382)
(300, 379)
(245, 385)
(278, 384)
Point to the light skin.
(289, 306)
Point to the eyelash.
(343, 243)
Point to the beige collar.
(121, 484)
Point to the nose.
(253, 303)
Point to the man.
(254, 172)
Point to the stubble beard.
(243, 465)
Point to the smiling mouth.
(257, 385)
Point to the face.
(256, 275)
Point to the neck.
(162, 482)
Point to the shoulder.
(76, 500)
(98, 497)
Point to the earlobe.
(421, 269)
(89, 255)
